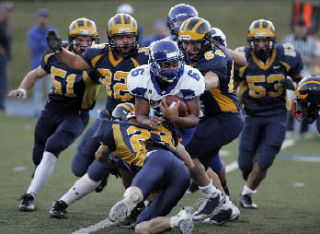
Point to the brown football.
(183, 109)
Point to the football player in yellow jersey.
(113, 62)
(221, 111)
(152, 151)
(66, 113)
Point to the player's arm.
(68, 58)
(238, 58)
(185, 156)
(211, 80)
(102, 154)
(73, 61)
(28, 82)
(142, 112)
(172, 113)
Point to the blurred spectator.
(160, 31)
(5, 50)
(37, 43)
(310, 53)
(128, 9)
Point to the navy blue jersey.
(130, 142)
(75, 90)
(114, 71)
(221, 99)
(261, 91)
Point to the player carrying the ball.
(166, 74)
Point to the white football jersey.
(143, 84)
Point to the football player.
(221, 113)
(307, 101)
(113, 62)
(66, 113)
(166, 74)
(150, 151)
(217, 164)
(263, 85)
(176, 16)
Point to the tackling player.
(263, 83)
(113, 62)
(221, 114)
(149, 151)
(66, 113)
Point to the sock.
(42, 173)
(209, 189)
(81, 187)
(246, 190)
(226, 189)
(174, 221)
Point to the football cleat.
(123, 208)
(27, 202)
(185, 224)
(246, 202)
(220, 218)
(129, 221)
(208, 204)
(225, 212)
(58, 209)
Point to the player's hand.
(19, 93)
(155, 121)
(170, 112)
(54, 42)
(288, 84)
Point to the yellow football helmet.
(261, 29)
(83, 27)
(194, 30)
(123, 112)
(122, 24)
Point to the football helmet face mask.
(123, 112)
(195, 31)
(82, 27)
(166, 60)
(219, 36)
(177, 15)
(261, 38)
(122, 25)
(307, 102)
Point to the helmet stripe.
(197, 25)
(304, 96)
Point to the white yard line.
(107, 223)
(93, 228)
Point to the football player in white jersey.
(166, 74)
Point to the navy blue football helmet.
(162, 52)
(307, 102)
(218, 35)
(177, 15)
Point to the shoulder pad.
(144, 50)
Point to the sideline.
(107, 223)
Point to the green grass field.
(284, 207)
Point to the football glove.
(288, 84)
(54, 42)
